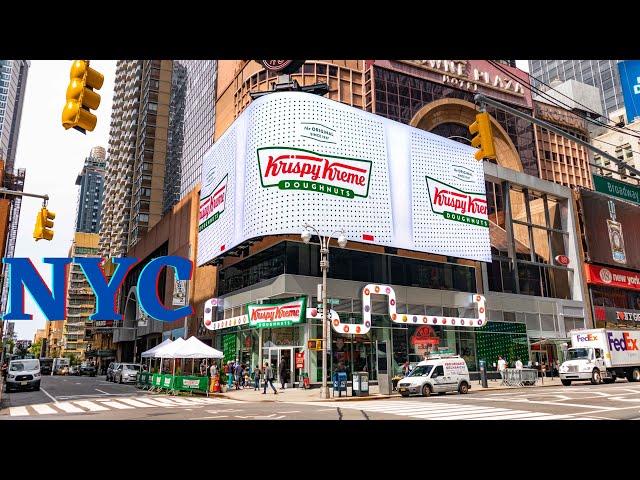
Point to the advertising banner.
(179, 292)
(273, 315)
(293, 158)
(617, 315)
(610, 228)
(630, 84)
(612, 277)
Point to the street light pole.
(324, 267)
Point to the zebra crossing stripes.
(120, 403)
(430, 410)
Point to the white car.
(438, 374)
(23, 374)
(126, 373)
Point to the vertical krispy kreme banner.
(273, 315)
(293, 158)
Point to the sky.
(53, 157)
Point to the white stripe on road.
(43, 409)
(151, 402)
(18, 411)
(92, 407)
(68, 407)
(101, 391)
(47, 394)
(115, 404)
(134, 403)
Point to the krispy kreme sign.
(457, 205)
(211, 207)
(278, 314)
(296, 169)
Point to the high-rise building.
(191, 125)
(81, 301)
(13, 80)
(134, 182)
(602, 74)
(91, 182)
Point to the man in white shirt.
(502, 366)
(518, 365)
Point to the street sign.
(333, 301)
(616, 188)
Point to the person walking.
(282, 372)
(256, 378)
(203, 368)
(228, 371)
(268, 378)
(502, 368)
(519, 364)
(238, 375)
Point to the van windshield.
(24, 365)
(421, 371)
(577, 353)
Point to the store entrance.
(276, 355)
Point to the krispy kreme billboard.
(293, 158)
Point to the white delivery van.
(602, 355)
(437, 374)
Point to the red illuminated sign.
(612, 277)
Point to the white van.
(23, 374)
(437, 374)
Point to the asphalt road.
(93, 398)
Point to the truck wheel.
(635, 375)
(596, 378)
(566, 383)
(463, 388)
(426, 391)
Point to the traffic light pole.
(481, 101)
(15, 193)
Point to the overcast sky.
(53, 157)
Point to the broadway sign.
(296, 169)
(273, 315)
(455, 204)
(212, 206)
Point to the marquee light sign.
(293, 158)
(364, 327)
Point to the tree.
(36, 348)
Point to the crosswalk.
(433, 410)
(113, 403)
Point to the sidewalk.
(313, 394)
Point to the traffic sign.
(333, 301)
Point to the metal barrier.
(519, 377)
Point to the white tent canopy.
(194, 348)
(168, 350)
(150, 353)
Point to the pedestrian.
(282, 372)
(256, 378)
(228, 371)
(406, 368)
(238, 375)
(518, 364)
(203, 368)
(268, 378)
(502, 368)
(247, 376)
(213, 370)
(4, 371)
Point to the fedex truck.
(602, 355)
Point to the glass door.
(285, 355)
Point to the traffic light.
(484, 138)
(81, 97)
(314, 344)
(44, 223)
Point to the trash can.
(360, 384)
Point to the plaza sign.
(380, 181)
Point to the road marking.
(92, 407)
(18, 411)
(134, 403)
(291, 411)
(68, 407)
(152, 401)
(43, 409)
(115, 404)
(101, 391)
(207, 418)
(47, 394)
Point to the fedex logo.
(625, 343)
(587, 338)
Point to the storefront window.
(508, 340)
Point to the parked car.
(111, 370)
(74, 370)
(126, 373)
(438, 374)
(88, 369)
(64, 370)
(23, 374)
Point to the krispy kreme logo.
(297, 169)
(458, 205)
(278, 315)
(212, 206)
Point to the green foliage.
(36, 348)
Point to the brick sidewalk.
(313, 394)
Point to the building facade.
(135, 176)
(532, 301)
(54, 338)
(91, 183)
(191, 125)
(625, 146)
(602, 74)
(81, 301)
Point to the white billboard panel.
(293, 158)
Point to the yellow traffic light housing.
(483, 139)
(44, 223)
(81, 97)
